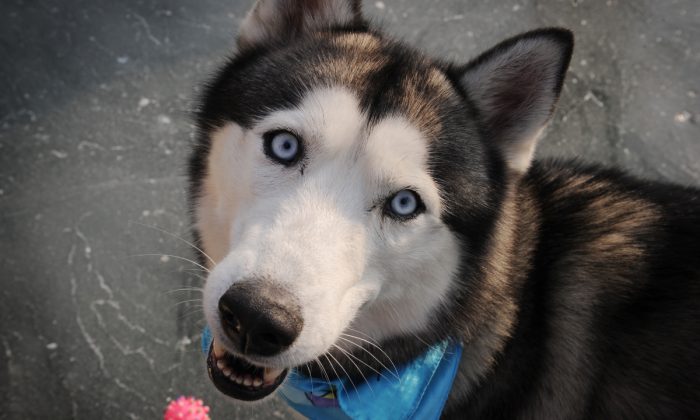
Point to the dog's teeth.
(220, 364)
(257, 382)
(218, 349)
(237, 379)
(226, 371)
(271, 374)
(248, 381)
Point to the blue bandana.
(417, 390)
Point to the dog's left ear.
(514, 87)
(283, 20)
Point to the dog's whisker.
(323, 370)
(420, 339)
(344, 371)
(330, 362)
(360, 332)
(194, 270)
(350, 356)
(369, 341)
(186, 302)
(188, 314)
(199, 276)
(374, 342)
(180, 238)
(364, 334)
(311, 377)
(185, 289)
(395, 372)
(173, 256)
(199, 300)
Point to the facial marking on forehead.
(395, 145)
(333, 118)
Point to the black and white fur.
(574, 289)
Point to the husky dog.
(359, 201)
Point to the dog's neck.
(505, 267)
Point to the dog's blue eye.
(283, 147)
(404, 205)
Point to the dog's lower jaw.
(237, 378)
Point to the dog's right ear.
(282, 20)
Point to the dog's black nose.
(260, 318)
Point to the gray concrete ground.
(94, 131)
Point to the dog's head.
(345, 187)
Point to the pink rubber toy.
(187, 408)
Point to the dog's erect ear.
(514, 87)
(282, 20)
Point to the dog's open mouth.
(239, 379)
